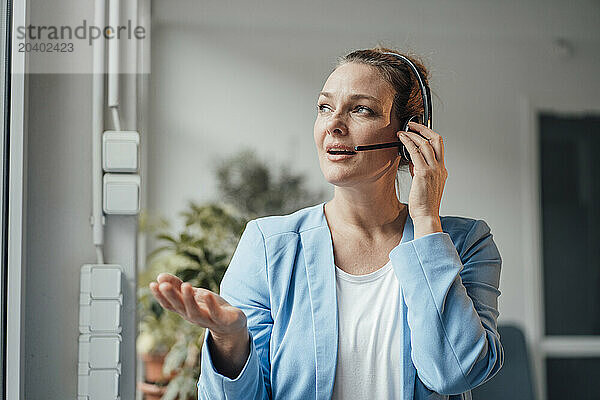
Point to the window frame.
(15, 204)
(544, 346)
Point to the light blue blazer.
(282, 277)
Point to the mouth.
(340, 154)
(340, 149)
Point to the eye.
(367, 109)
(322, 107)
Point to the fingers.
(417, 158)
(172, 279)
(213, 307)
(194, 312)
(432, 138)
(173, 296)
(198, 306)
(161, 299)
(167, 292)
(424, 148)
(184, 302)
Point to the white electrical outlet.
(98, 384)
(100, 351)
(100, 304)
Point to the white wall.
(233, 74)
(238, 74)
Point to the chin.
(339, 177)
(345, 175)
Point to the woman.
(360, 297)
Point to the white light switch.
(120, 151)
(121, 194)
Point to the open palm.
(198, 306)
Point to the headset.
(424, 118)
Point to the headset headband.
(424, 88)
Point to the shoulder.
(465, 232)
(297, 222)
(455, 225)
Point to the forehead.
(352, 78)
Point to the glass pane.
(572, 378)
(570, 182)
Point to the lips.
(339, 149)
(337, 152)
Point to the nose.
(335, 126)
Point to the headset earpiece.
(402, 151)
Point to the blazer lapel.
(408, 368)
(320, 273)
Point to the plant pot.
(151, 391)
(153, 365)
(155, 383)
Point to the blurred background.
(223, 95)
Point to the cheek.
(382, 133)
(368, 131)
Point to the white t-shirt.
(369, 335)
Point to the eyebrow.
(354, 96)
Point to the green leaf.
(172, 389)
(187, 274)
(156, 309)
(166, 237)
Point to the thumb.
(213, 308)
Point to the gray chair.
(514, 380)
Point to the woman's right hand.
(199, 306)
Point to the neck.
(366, 214)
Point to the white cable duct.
(134, 61)
(113, 62)
(115, 117)
(97, 129)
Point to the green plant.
(200, 253)
(246, 182)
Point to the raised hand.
(198, 306)
(429, 174)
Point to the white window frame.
(541, 345)
(16, 212)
